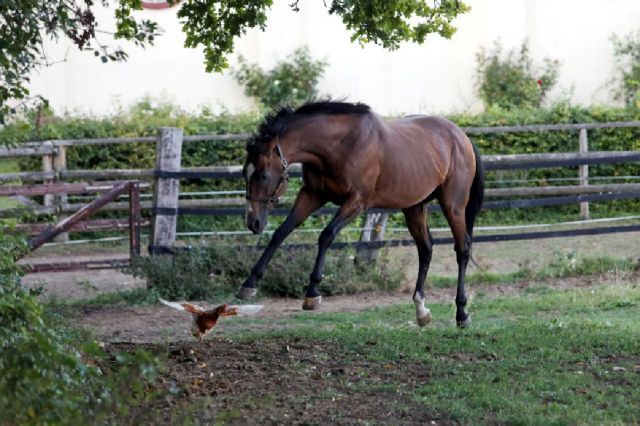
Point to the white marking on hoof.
(246, 292)
(466, 323)
(422, 321)
(311, 303)
(423, 315)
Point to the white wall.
(435, 77)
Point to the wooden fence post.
(374, 227)
(166, 189)
(134, 220)
(60, 200)
(584, 172)
(47, 166)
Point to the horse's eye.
(264, 176)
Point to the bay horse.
(355, 159)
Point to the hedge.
(144, 119)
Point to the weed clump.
(208, 272)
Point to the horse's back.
(432, 125)
(432, 140)
(420, 153)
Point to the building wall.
(437, 77)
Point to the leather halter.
(284, 178)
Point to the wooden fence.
(166, 205)
(108, 193)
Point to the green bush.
(511, 80)
(145, 117)
(142, 119)
(46, 375)
(627, 55)
(291, 82)
(611, 139)
(214, 271)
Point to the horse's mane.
(276, 123)
(333, 107)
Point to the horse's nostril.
(256, 224)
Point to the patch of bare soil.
(74, 285)
(285, 381)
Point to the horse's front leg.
(305, 204)
(346, 213)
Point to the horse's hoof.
(311, 303)
(422, 321)
(246, 292)
(466, 323)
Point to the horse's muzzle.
(256, 222)
(256, 226)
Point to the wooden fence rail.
(492, 162)
(166, 205)
(231, 206)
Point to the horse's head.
(265, 173)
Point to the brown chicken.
(205, 320)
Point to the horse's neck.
(313, 142)
(303, 152)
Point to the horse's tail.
(476, 194)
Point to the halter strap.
(284, 178)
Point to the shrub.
(511, 80)
(146, 116)
(291, 82)
(627, 55)
(212, 272)
(142, 119)
(46, 376)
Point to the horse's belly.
(406, 187)
(401, 199)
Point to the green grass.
(564, 265)
(8, 165)
(543, 357)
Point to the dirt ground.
(285, 381)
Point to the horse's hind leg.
(347, 212)
(417, 224)
(455, 214)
